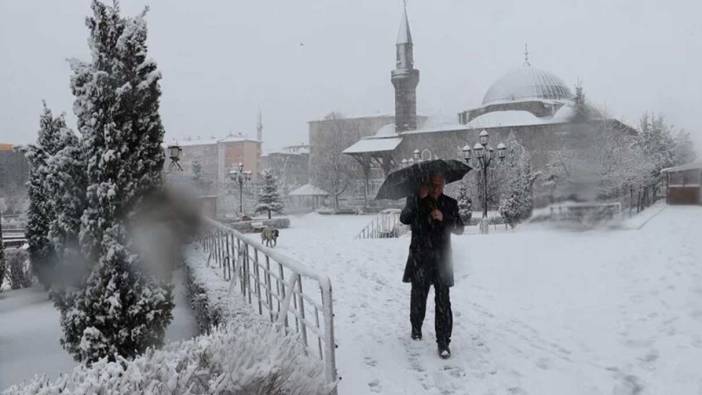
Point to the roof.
(688, 166)
(520, 118)
(404, 36)
(231, 138)
(308, 190)
(353, 117)
(527, 83)
(382, 144)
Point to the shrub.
(227, 361)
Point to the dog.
(269, 236)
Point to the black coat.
(429, 257)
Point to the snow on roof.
(355, 116)
(498, 119)
(194, 141)
(197, 141)
(520, 118)
(233, 138)
(309, 190)
(688, 166)
(370, 144)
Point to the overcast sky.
(298, 60)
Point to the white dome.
(527, 83)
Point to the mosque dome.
(527, 83)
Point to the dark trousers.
(443, 317)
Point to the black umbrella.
(405, 182)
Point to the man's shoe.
(416, 335)
(444, 352)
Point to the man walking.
(432, 217)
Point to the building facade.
(289, 165)
(14, 170)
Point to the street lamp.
(240, 176)
(174, 152)
(416, 155)
(481, 157)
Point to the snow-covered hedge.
(231, 360)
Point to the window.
(426, 154)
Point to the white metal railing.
(280, 287)
(385, 225)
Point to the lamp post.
(241, 177)
(481, 157)
(174, 153)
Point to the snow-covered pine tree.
(465, 204)
(120, 309)
(517, 203)
(41, 211)
(269, 199)
(66, 183)
(2, 254)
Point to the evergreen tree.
(269, 198)
(517, 184)
(66, 183)
(119, 309)
(465, 204)
(41, 211)
(2, 254)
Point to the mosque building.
(533, 105)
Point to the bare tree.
(334, 171)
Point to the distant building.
(533, 105)
(14, 170)
(290, 166)
(684, 184)
(213, 158)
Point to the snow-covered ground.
(30, 333)
(537, 311)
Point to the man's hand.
(423, 191)
(437, 215)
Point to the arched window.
(426, 154)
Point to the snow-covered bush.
(18, 268)
(269, 199)
(226, 361)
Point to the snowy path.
(30, 332)
(184, 325)
(29, 337)
(535, 311)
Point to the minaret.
(259, 126)
(405, 79)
